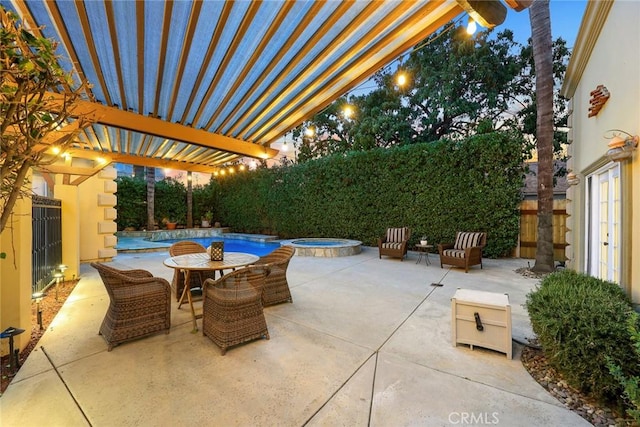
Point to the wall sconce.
(622, 148)
(573, 179)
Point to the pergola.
(193, 85)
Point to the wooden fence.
(529, 229)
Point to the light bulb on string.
(401, 79)
(471, 26)
(348, 111)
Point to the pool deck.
(366, 342)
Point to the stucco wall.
(97, 219)
(15, 276)
(615, 63)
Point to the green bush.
(436, 189)
(170, 201)
(581, 323)
(630, 385)
(132, 202)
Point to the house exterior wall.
(15, 276)
(605, 53)
(88, 227)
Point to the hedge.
(436, 189)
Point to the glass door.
(603, 223)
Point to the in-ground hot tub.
(315, 246)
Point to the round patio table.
(202, 261)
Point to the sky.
(566, 16)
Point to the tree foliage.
(30, 112)
(456, 84)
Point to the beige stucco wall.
(97, 222)
(15, 276)
(88, 227)
(615, 63)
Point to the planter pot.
(423, 242)
(171, 225)
(206, 224)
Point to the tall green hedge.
(436, 189)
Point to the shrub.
(630, 385)
(131, 206)
(436, 189)
(581, 323)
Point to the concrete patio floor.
(366, 342)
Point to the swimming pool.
(234, 245)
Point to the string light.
(471, 26)
(348, 111)
(401, 79)
(310, 131)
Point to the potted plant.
(206, 219)
(169, 224)
(423, 241)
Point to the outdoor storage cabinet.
(483, 319)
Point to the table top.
(418, 245)
(202, 261)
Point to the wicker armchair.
(140, 304)
(232, 308)
(465, 252)
(196, 277)
(276, 287)
(395, 242)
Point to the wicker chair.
(395, 242)
(140, 304)
(465, 252)
(196, 277)
(276, 287)
(232, 308)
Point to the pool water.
(234, 245)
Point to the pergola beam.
(131, 121)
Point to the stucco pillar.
(15, 275)
(69, 195)
(97, 222)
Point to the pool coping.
(346, 248)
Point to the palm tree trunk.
(189, 201)
(543, 59)
(151, 198)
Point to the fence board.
(529, 228)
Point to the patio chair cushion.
(397, 234)
(467, 240)
(456, 253)
(392, 245)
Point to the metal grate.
(47, 240)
